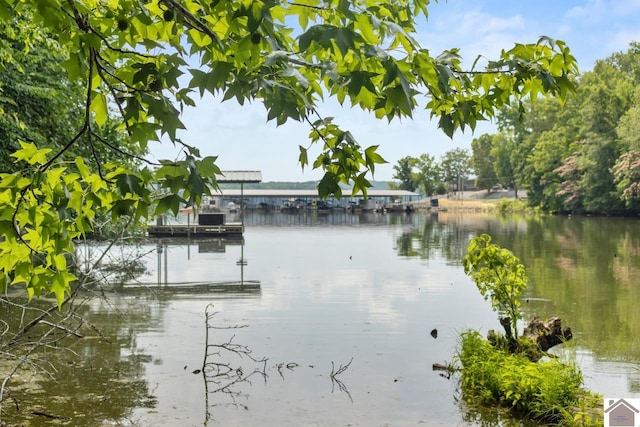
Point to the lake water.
(307, 295)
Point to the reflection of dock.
(181, 230)
(247, 288)
(207, 245)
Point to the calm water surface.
(307, 295)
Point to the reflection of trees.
(582, 269)
(85, 378)
(432, 236)
(67, 363)
(423, 241)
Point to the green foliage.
(502, 149)
(455, 166)
(577, 156)
(249, 51)
(627, 176)
(499, 276)
(549, 391)
(405, 174)
(135, 65)
(42, 214)
(483, 162)
(41, 105)
(429, 175)
(505, 205)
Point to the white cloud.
(619, 41)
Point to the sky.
(242, 138)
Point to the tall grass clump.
(549, 391)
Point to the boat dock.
(180, 230)
(209, 225)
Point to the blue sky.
(244, 140)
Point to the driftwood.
(548, 333)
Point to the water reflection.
(319, 276)
(583, 269)
(71, 381)
(318, 291)
(205, 246)
(221, 369)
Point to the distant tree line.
(580, 156)
(428, 176)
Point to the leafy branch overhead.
(141, 62)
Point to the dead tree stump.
(548, 333)
(536, 339)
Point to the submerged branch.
(335, 381)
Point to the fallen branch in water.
(334, 380)
(449, 369)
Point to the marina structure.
(291, 200)
(211, 214)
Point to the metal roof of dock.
(346, 193)
(239, 176)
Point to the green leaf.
(446, 124)
(99, 108)
(303, 158)
(171, 202)
(398, 97)
(31, 154)
(328, 185)
(61, 285)
(372, 158)
(128, 184)
(123, 208)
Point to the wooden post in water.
(242, 203)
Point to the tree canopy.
(141, 62)
(580, 156)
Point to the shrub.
(511, 205)
(500, 278)
(548, 391)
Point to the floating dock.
(209, 225)
(180, 230)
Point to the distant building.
(305, 199)
(293, 199)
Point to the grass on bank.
(503, 205)
(549, 391)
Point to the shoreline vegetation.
(500, 201)
(514, 370)
(549, 391)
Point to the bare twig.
(335, 381)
